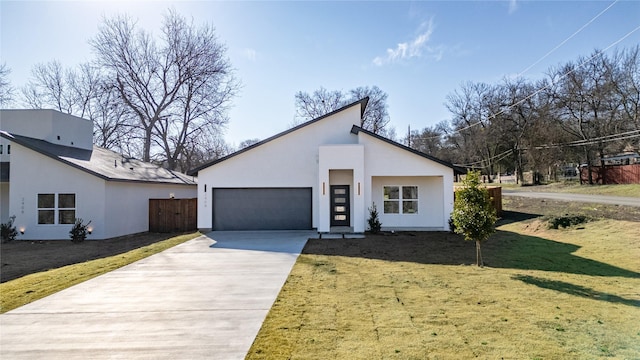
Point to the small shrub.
(374, 222)
(567, 221)
(78, 232)
(8, 232)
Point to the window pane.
(340, 209)
(66, 216)
(339, 200)
(340, 217)
(339, 191)
(45, 216)
(409, 207)
(409, 192)
(391, 207)
(46, 201)
(391, 192)
(66, 201)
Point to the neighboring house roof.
(357, 129)
(362, 103)
(103, 163)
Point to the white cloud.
(412, 49)
(250, 54)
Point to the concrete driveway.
(203, 299)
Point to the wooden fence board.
(173, 215)
(612, 174)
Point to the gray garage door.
(262, 209)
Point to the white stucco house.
(325, 174)
(52, 174)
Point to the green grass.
(26, 289)
(545, 294)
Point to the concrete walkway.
(203, 299)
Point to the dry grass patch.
(548, 294)
(627, 190)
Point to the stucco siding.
(114, 208)
(127, 204)
(290, 160)
(33, 174)
(430, 201)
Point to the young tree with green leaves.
(473, 215)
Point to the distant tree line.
(165, 99)
(578, 113)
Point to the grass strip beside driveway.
(26, 289)
(551, 294)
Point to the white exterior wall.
(288, 161)
(127, 205)
(114, 208)
(49, 125)
(430, 202)
(33, 174)
(386, 160)
(342, 157)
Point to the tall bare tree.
(178, 87)
(322, 101)
(83, 92)
(6, 90)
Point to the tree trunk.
(479, 261)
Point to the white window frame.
(400, 200)
(56, 208)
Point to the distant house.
(325, 174)
(52, 174)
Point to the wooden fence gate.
(173, 215)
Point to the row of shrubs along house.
(324, 174)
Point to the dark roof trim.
(362, 103)
(357, 129)
(20, 141)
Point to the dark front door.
(340, 205)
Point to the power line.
(606, 138)
(544, 87)
(601, 139)
(567, 39)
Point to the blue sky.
(418, 52)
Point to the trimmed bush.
(567, 221)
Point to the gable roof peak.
(363, 105)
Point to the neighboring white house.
(52, 174)
(325, 174)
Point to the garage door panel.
(262, 209)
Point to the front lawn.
(544, 294)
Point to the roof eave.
(357, 129)
(363, 105)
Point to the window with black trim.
(400, 200)
(56, 208)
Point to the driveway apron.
(203, 299)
